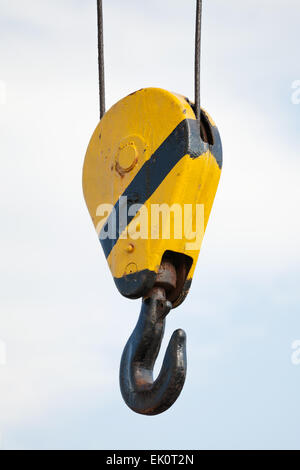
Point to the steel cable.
(197, 58)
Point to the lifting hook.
(148, 150)
(139, 391)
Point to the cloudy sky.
(63, 325)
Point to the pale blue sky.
(61, 318)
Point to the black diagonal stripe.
(153, 172)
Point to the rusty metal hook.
(139, 391)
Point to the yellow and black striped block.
(148, 148)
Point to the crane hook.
(139, 391)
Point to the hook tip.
(180, 334)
